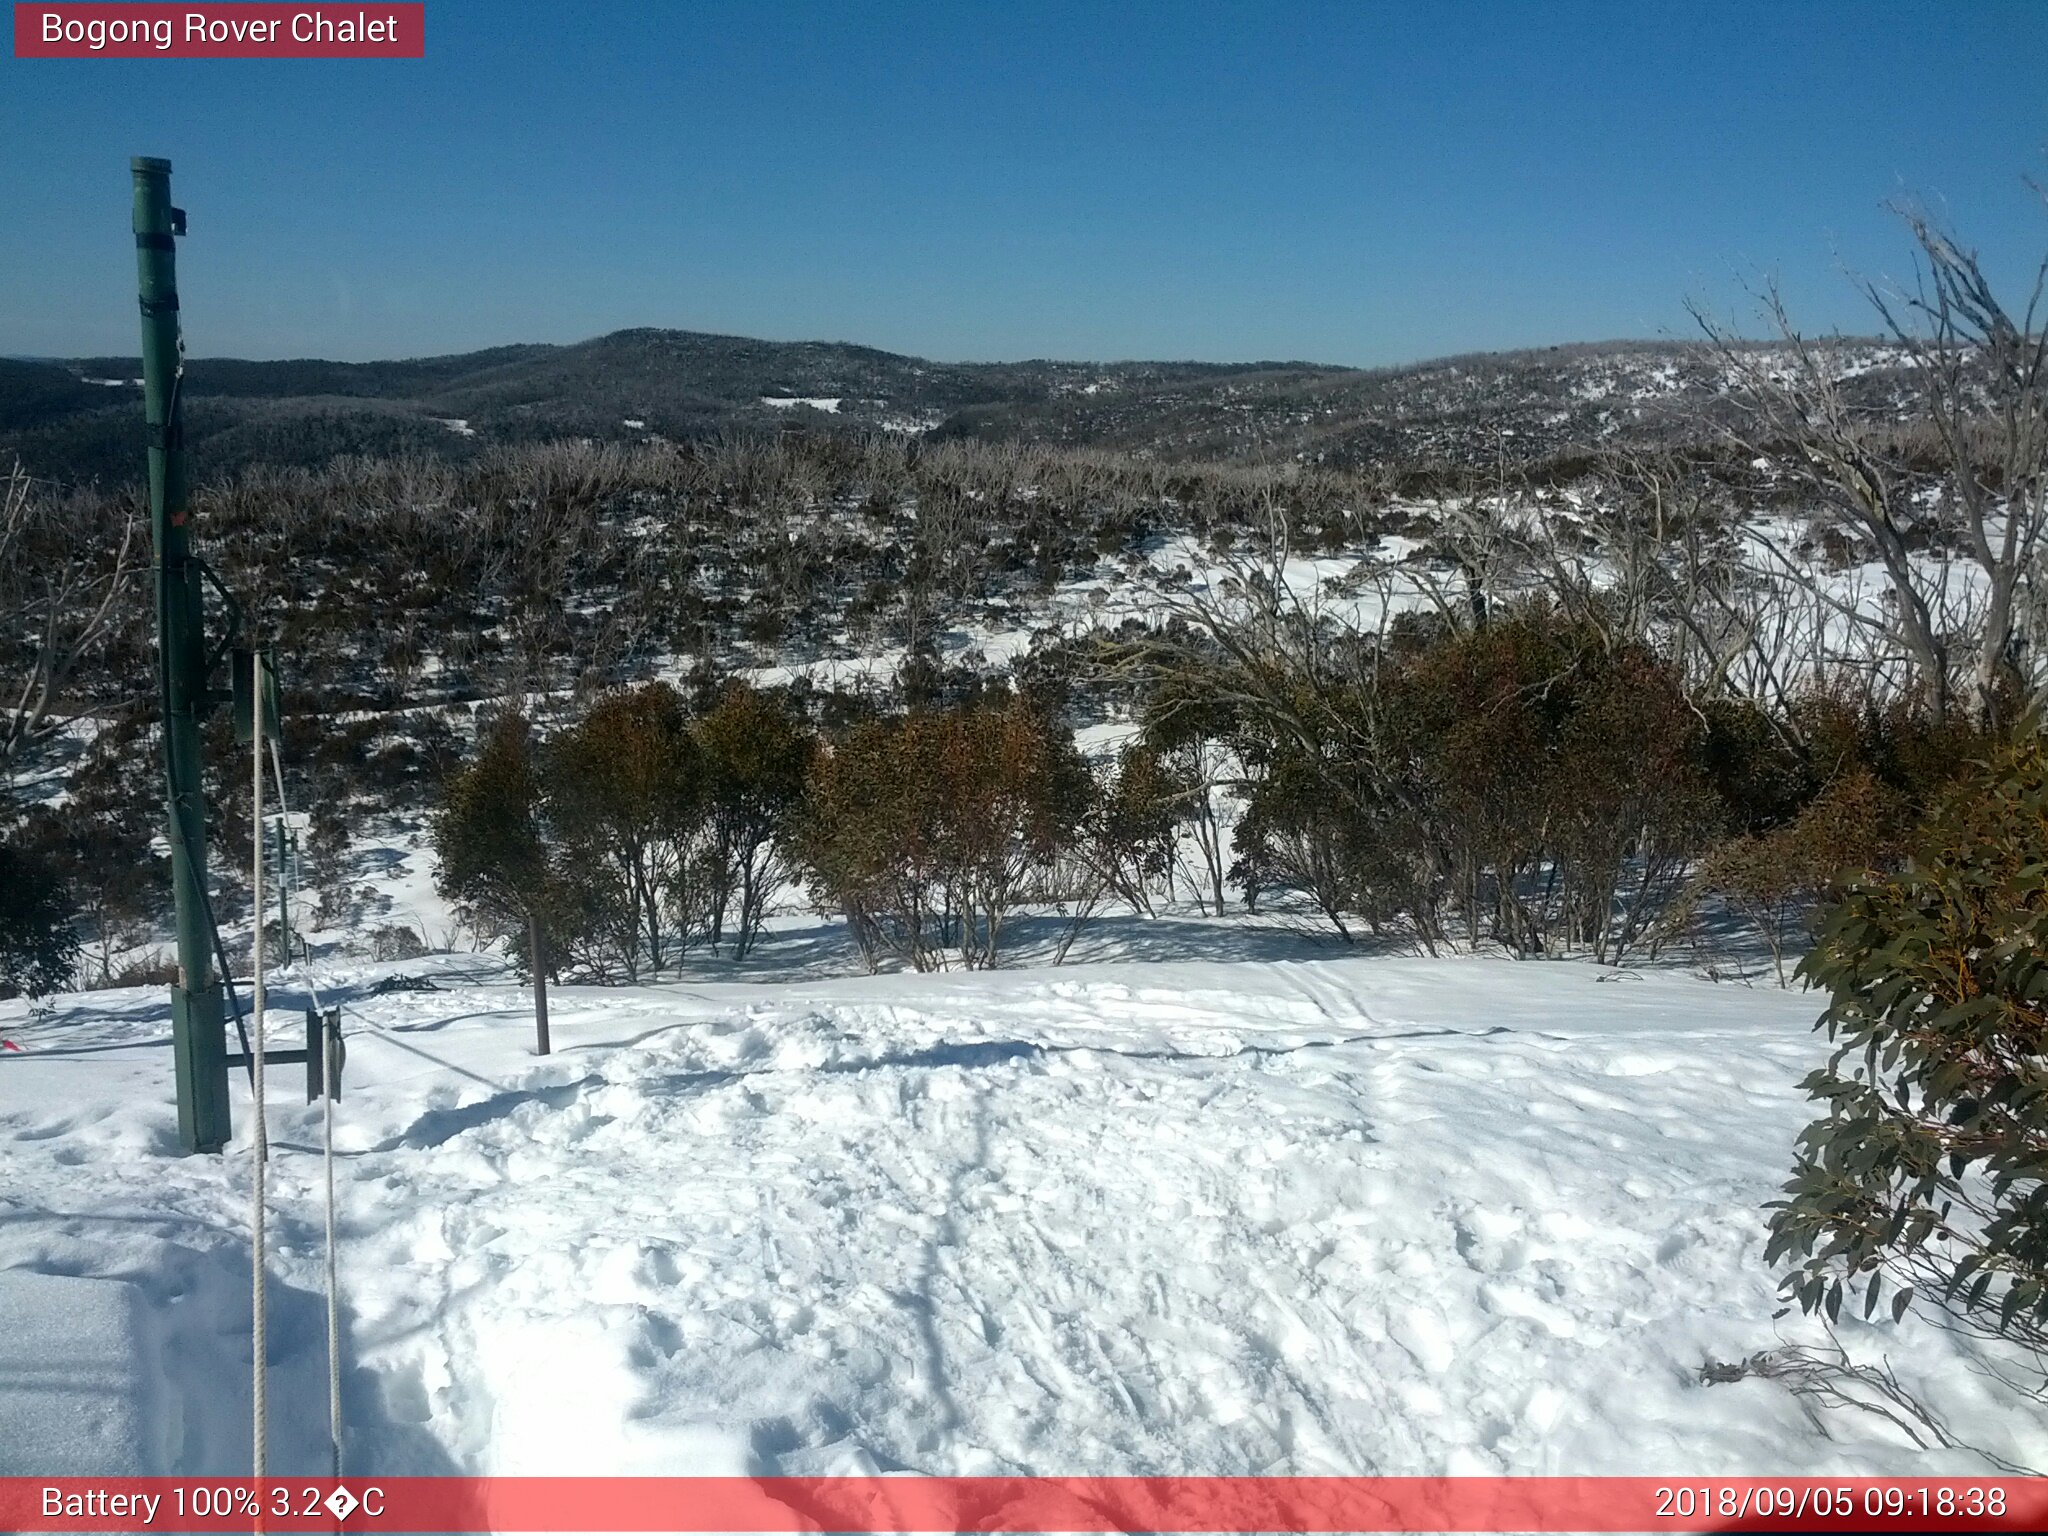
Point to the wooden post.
(537, 957)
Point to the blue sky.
(1351, 183)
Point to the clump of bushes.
(396, 941)
(615, 843)
(620, 840)
(928, 830)
(1536, 779)
(1526, 780)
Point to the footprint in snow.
(1423, 1334)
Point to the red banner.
(1080, 1504)
(149, 31)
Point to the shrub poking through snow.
(1927, 1171)
(397, 941)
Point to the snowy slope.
(1365, 1215)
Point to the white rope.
(328, 1087)
(328, 1065)
(259, 1340)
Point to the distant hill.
(81, 419)
(35, 393)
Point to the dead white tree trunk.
(1953, 469)
(62, 585)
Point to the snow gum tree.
(625, 789)
(1192, 737)
(493, 852)
(1537, 778)
(1960, 464)
(755, 755)
(1128, 835)
(66, 603)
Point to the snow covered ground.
(1366, 1214)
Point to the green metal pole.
(198, 1044)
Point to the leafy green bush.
(1927, 1170)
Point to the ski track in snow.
(1362, 1216)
